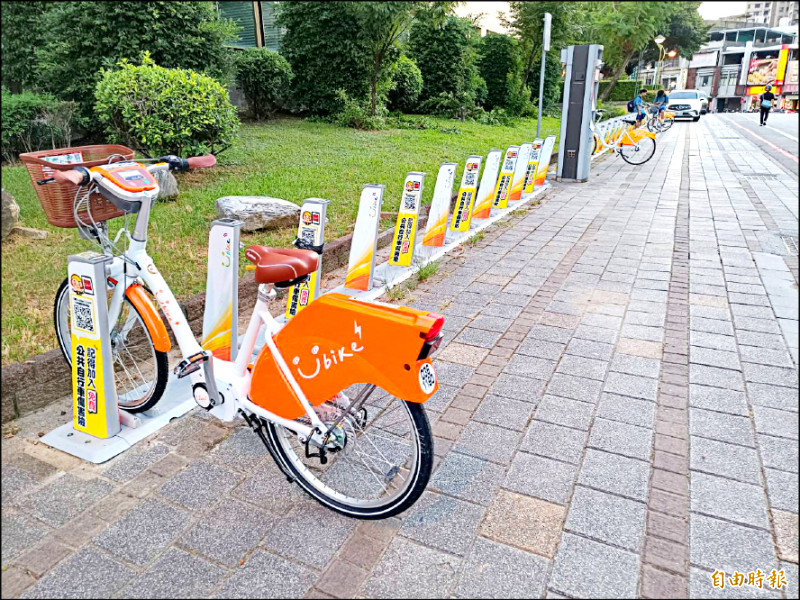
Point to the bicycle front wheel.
(639, 153)
(653, 124)
(378, 461)
(140, 371)
(666, 124)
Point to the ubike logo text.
(330, 358)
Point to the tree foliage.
(686, 32)
(22, 29)
(499, 65)
(445, 52)
(83, 37)
(325, 52)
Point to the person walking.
(767, 101)
(639, 107)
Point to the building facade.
(772, 14)
(739, 60)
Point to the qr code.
(307, 235)
(82, 311)
(409, 202)
(427, 378)
(469, 179)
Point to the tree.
(444, 50)
(686, 32)
(625, 28)
(83, 37)
(526, 22)
(22, 28)
(326, 53)
(500, 68)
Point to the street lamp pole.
(659, 42)
(547, 20)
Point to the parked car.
(687, 104)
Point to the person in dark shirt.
(767, 98)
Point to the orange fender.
(152, 320)
(634, 135)
(336, 342)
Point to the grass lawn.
(287, 158)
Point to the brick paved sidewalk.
(618, 417)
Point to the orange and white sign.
(310, 232)
(222, 287)
(364, 244)
(518, 179)
(485, 197)
(544, 159)
(533, 164)
(440, 206)
(405, 231)
(465, 200)
(501, 190)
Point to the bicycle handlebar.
(82, 176)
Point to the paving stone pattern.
(618, 417)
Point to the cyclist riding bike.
(660, 104)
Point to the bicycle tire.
(653, 124)
(646, 144)
(161, 362)
(666, 124)
(421, 475)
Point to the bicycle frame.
(228, 383)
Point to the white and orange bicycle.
(336, 394)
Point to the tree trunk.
(374, 86)
(528, 69)
(617, 74)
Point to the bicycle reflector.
(436, 328)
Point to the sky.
(717, 10)
(490, 10)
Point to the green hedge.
(623, 90)
(264, 77)
(34, 122)
(165, 111)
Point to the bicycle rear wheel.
(639, 153)
(140, 371)
(380, 457)
(666, 124)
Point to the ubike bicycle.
(336, 394)
(636, 146)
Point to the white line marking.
(791, 137)
(767, 142)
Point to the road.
(778, 139)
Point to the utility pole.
(548, 18)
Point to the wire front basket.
(58, 199)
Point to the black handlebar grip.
(44, 181)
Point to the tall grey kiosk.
(580, 100)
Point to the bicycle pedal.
(191, 364)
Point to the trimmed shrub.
(161, 111)
(358, 114)
(623, 90)
(407, 85)
(264, 77)
(34, 122)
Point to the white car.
(687, 104)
